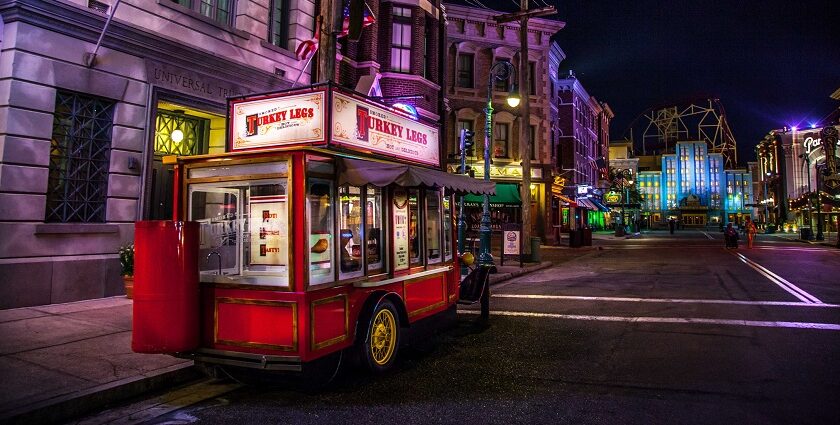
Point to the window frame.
(62, 206)
(461, 72)
(505, 141)
(283, 32)
(400, 22)
(196, 6)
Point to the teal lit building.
(692, 186)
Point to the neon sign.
(811, 143)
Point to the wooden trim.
(335, 340)
(250, 344)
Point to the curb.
(498, 278)
(62, 408)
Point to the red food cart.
(326, 226)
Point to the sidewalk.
(62, 360)
(65, 360)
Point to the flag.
(307, 48)
(351, 10)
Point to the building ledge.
(74, 228)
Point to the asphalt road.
(662, 329)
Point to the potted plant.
(127, 269)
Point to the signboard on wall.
(511, 242)
(369, 127)
(277, 121)
(400, 229)
(268, 231)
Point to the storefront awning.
(599, 205)
(359, 172)
(586, 203)
(507, 194)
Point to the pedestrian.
(749, 228)
(671, 225)
(730, 236)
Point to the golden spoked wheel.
(382, 340)
(378, 350)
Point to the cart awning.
(359, 172)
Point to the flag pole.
(308, 61)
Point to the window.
(80, 151)
(401, 40)
(279, 25)
(532, 77)
(502, 85)
(350, 231)
(374, 229)
(433, 226)
(500, 140)
(319, 206)
(179, 134)
(465, 70)
(414, 242)
(217, 10)
(533, 140)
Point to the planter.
(128, 281)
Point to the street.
(659, 329)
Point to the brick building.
(81, 140)
(581, 150)
(474, 42)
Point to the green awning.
(506, 194)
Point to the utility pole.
(329, 19)
(525, 118)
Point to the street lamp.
(500, 71)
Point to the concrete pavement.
(65, 360)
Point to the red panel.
(421, 295)
(166, 297)
(298, 216)
(256, 323)
(329, 322)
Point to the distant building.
(692, 186)
(581, 151)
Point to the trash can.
(587, 237)
(805, 234)
(535, 249)
(575, 238)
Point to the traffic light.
(465, 169)
(467, 142)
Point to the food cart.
(327, 226)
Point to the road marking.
(665, 300)
(778, 280)
(708, 236)
(677, 320)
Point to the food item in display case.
(321, 246)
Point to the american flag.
(308, 48)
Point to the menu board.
(268, 231)
(400, 229)
(277, 121)
(374, 128)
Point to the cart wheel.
(378, 350)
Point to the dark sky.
(771, 63)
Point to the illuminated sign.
(277, 121)
(582, 189)
(811, 143)
(612, 197)
(370, 127)
(505, 172)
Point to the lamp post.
(500, 71)
(807, 162)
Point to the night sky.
(771, 63)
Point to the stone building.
(475, 42)
(82, 136)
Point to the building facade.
(692, 186)
(82, 136)
(474, 43)
(581, 151)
